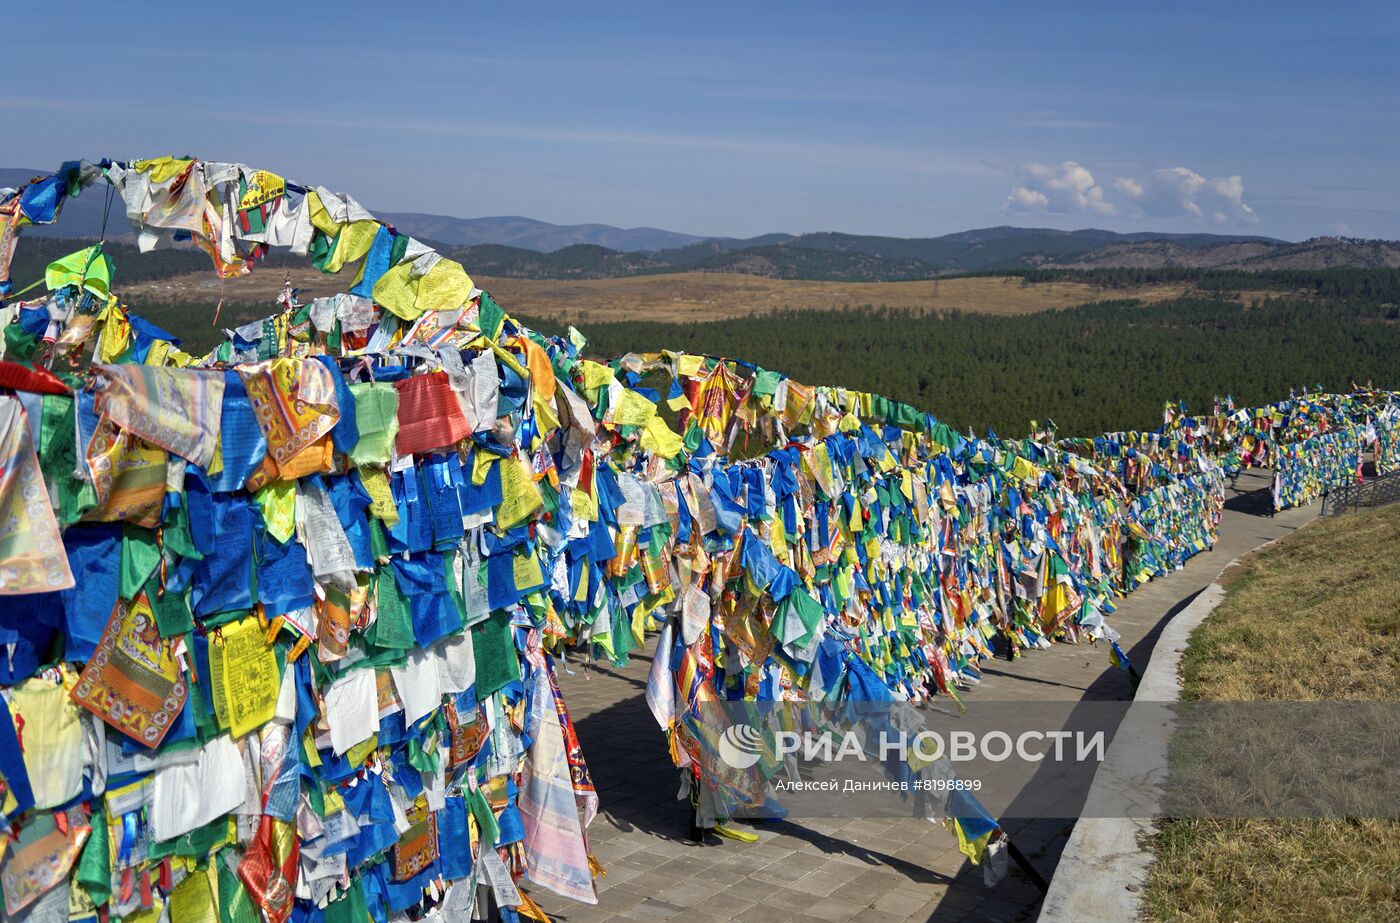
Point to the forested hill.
(1097, 368)
(844, 258)
(785, 261)
(1319, 253)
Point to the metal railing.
(1372, 492)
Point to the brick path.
(837, 869)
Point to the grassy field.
(691, 296)
(1313, 618)
(687, 296)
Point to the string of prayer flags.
(287, 613)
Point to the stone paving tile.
(652, 908)
(833, 870)
(771, 913)
(720, 905)
(834, 911)
(819, 883)
(780, 873)
(899, 902)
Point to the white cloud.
(1068, 188)
(1023, 199)
(1176, 192)
(1131, 187)
(1171, 192)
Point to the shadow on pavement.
(1255, 501)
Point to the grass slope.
(1340, 579)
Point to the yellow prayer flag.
(245, 678)
(633, 409)
(263, 186)
(193, 899)
(777, 538)
(162, 169)
(381, 497)
(357, 754)
(525, 568)
(661, 439)
(481, 466)
(397, 291)
(520, 495)
(689, 366)
(352, 244)
(445, 287)
(595, 375)
(819, 462)
(278, 502)
(158, 353)
(585, 507)
(1024, 470)
(153, 915)
(320, 218)
(545, 417)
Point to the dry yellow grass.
(693, 296)
(688, 296)
(1233, 871)
(1313, 618)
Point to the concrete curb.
(1102, 871)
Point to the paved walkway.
(847, 869)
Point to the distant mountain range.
(527, 248)
(543, 237)
(1009, 252)
(82, 217)
(529, 234)
(1318, 253)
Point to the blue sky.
(901, 118)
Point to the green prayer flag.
(140, 558)
(623, 643)
(177, 537)
(393, 626)
(350, 907)
(18, 344)
(497, 664)
(58, 458)
(171, 608)
(89, 268)
(321, 249)
(799, 605)
(491, 316)
(94, 865)
(481, 810)
(765, 383)
(235, 904)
